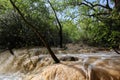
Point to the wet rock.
(60, 72)
(69, 58)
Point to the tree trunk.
(60, 26)
(61, 38)
(116, 50)
(117, 5)
(37, 33)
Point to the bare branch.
(92, 6)
(116, 50)
(107, 3)
(82, 3)
(98, 14)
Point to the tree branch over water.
(37, 33)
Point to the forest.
(60, 28)
(26, 23)
(94, 22)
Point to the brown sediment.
(73, 67)
(60, 72)
(75, 72)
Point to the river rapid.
(32, 65)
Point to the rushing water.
(34, 66)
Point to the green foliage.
(81, 21)
(14, 32)
(72, 30)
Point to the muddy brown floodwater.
(32, 65)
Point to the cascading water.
(30, 65)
